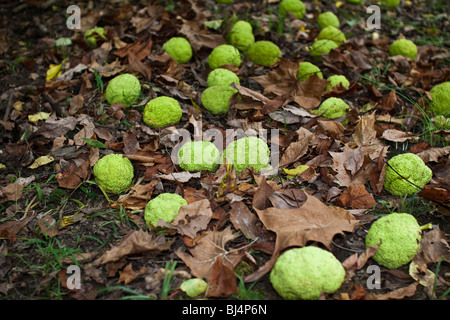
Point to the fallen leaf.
(209, 248)
(397, 294)
(137, 242)
(397, 135)
(222, 280)
(313, 221)
(191, 219)
(357, 261)
(11, 192)
(356, 197)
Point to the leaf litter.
(234, 225)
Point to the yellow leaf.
(2, 166)
(41, 161)
(53, 71)
(38, 116)
(18, 105)
(339, 4)
(293, 172)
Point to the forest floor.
(53, 216)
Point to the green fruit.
(247, 152)
(198, 156)
(400, 236)
(322, 47)
(307, 69)
(335, 80)
(390, 3)
(296, 7)
(179, 49)
(440, 95)
(264, 53)
(333, 34)
(405, 174)
(326, 19)
(305, 273)
(124, 88)
(224, 54)
(241, 35)
(403, 47)
(222, 77)
(165, 206)
(216, 99)
(333, 108)
(114, 173)
(161, 112)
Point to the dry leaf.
(191, 219)
(397, 135)
(136, 242)
(208, 249)
(356, 197)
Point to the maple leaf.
(312, 221)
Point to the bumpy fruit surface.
(326, 19)
(322, 47)
(307, 69)
(296, 7)
(222, 77)
(161, 112)
(124, 88)
(241, 35)
(198, 156)
(335, 80)
(403, 47)
(114, 173)
(247, 152)
(405, 174)
(440, 94)
(224, 54)
(216, 99)
(179, 49)
(400, 236)
(305, 273)
(165, 206)
(333, 108)
(264, 53)
(332, 33)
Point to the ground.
(54, 216)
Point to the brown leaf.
(191, 219)
(313, 221)
(135, 243)
(433, 247)
(11, 192)
(128, 274)
(11, 228)
(297, 149)
(75, 175)
(436, 193)
(208, 249)
(356, 197)
(76, 104)
(433, 154)
(357, 261)
(397, 294)
(397, 135)
(246, 221)
(283, 82)
(222, 281)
